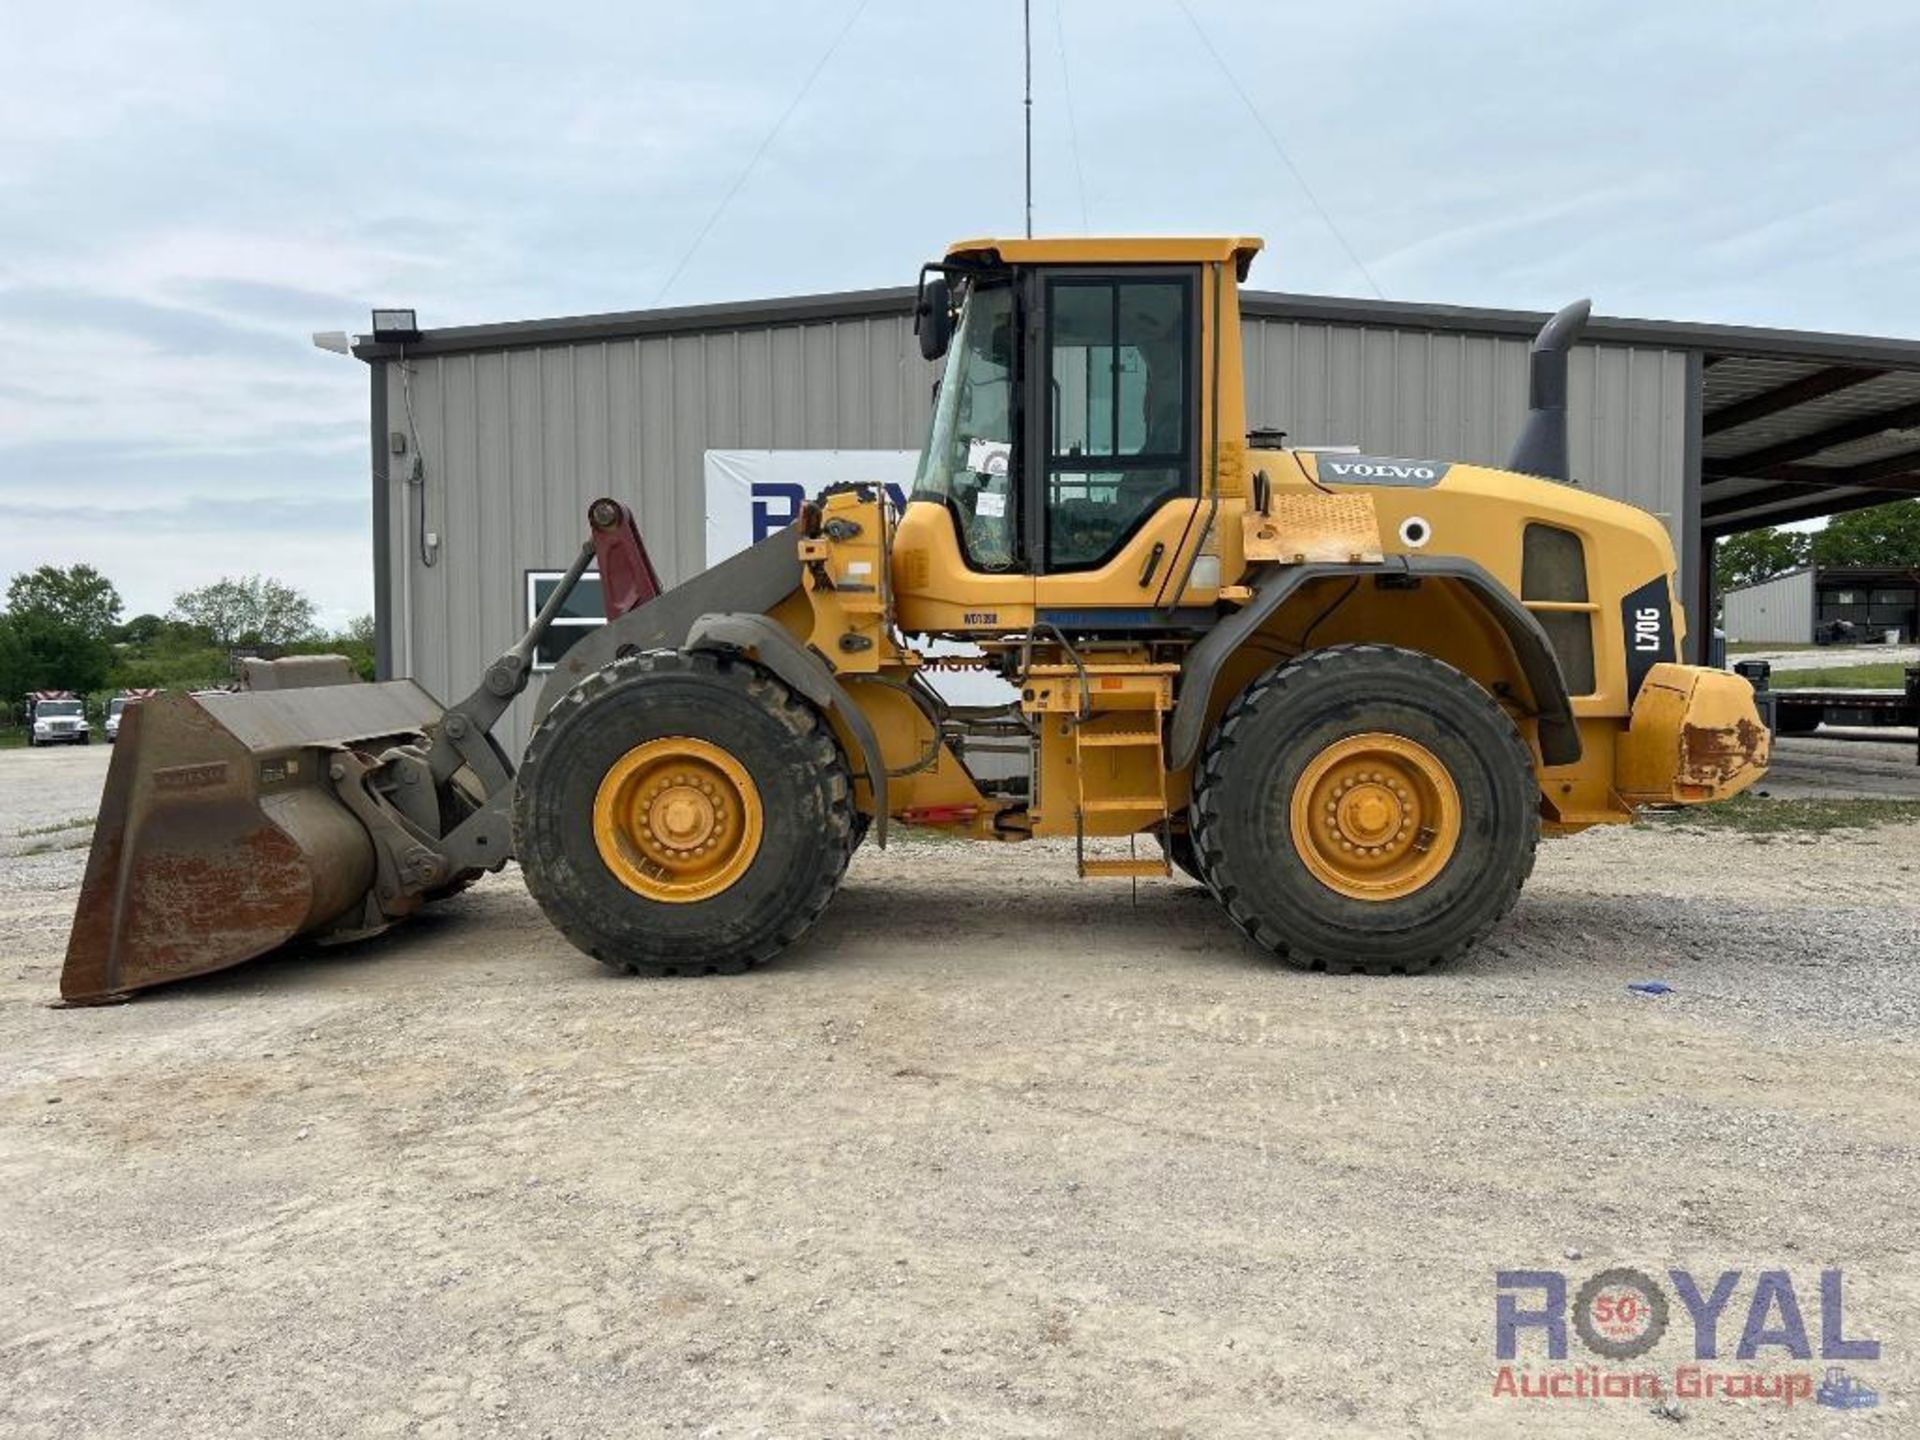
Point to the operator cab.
(1076, 404)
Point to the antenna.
(1026, 23)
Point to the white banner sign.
(753, 493)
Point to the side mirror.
(933, 316)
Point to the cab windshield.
(62, 709)
(969, 447)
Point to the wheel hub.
(677, 819)
(1375, 816)
(683, 817)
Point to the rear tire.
(1185, 855)
(791, 776)
(1452, 854)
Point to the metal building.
(489, 441)
(1810, 603)
(1777, 611)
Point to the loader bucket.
(221, 837)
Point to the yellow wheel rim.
(1375, 816)
(677, 819)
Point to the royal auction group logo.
(1622, 1314)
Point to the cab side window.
(1120, 424)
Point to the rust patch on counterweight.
(1710, 753)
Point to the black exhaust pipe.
(1542, 446)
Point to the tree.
(167, 654)
(39, 651)
(247, 609)
(79, 597)
(140, 630)
(54, 634)
(222, 609)
(1757, 555)
(355, 642)
(1886, 536)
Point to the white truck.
(57, 717)
(117, 706)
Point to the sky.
(187, 191)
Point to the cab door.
(1112, 431)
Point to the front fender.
(766, 643)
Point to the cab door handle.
(1153, 563)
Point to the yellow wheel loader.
(1347, 693)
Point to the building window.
(583, 611)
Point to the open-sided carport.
(1796, 426)
(1780, 425)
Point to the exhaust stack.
(1542, 446)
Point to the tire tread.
(771, 695)
(1306, 671)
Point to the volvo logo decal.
(1376, 470)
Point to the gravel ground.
(998, 1153)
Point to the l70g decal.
(1646, 619)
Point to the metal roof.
(1789, 439)
(1770, 580)
(1795, 423)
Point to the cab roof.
(1114, 250)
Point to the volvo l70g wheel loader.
(1347, 693)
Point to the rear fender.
(1558, 734)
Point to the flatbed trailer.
(1801, 712)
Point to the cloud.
(187, 190)
(153, 552)
(68, 81)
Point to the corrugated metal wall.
(1432, 395)
(514, 443)
(1777, 611)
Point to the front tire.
(1366, 808)
(683, 814)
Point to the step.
(1153, 803)
(1124, 869)
(1094, 738)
